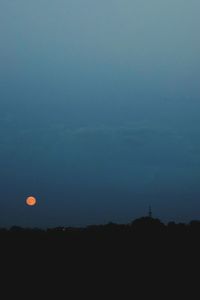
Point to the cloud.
(142, 142)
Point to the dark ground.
(123, 259)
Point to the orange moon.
(31, 201)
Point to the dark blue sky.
(99, 110)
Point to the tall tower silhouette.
(150, 212)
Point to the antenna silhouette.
(150, 212)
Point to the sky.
(99, 111)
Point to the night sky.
(99, 111)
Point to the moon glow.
(31, 201)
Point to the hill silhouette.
(114, 257)
(142, 228)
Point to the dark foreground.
(121, 258)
